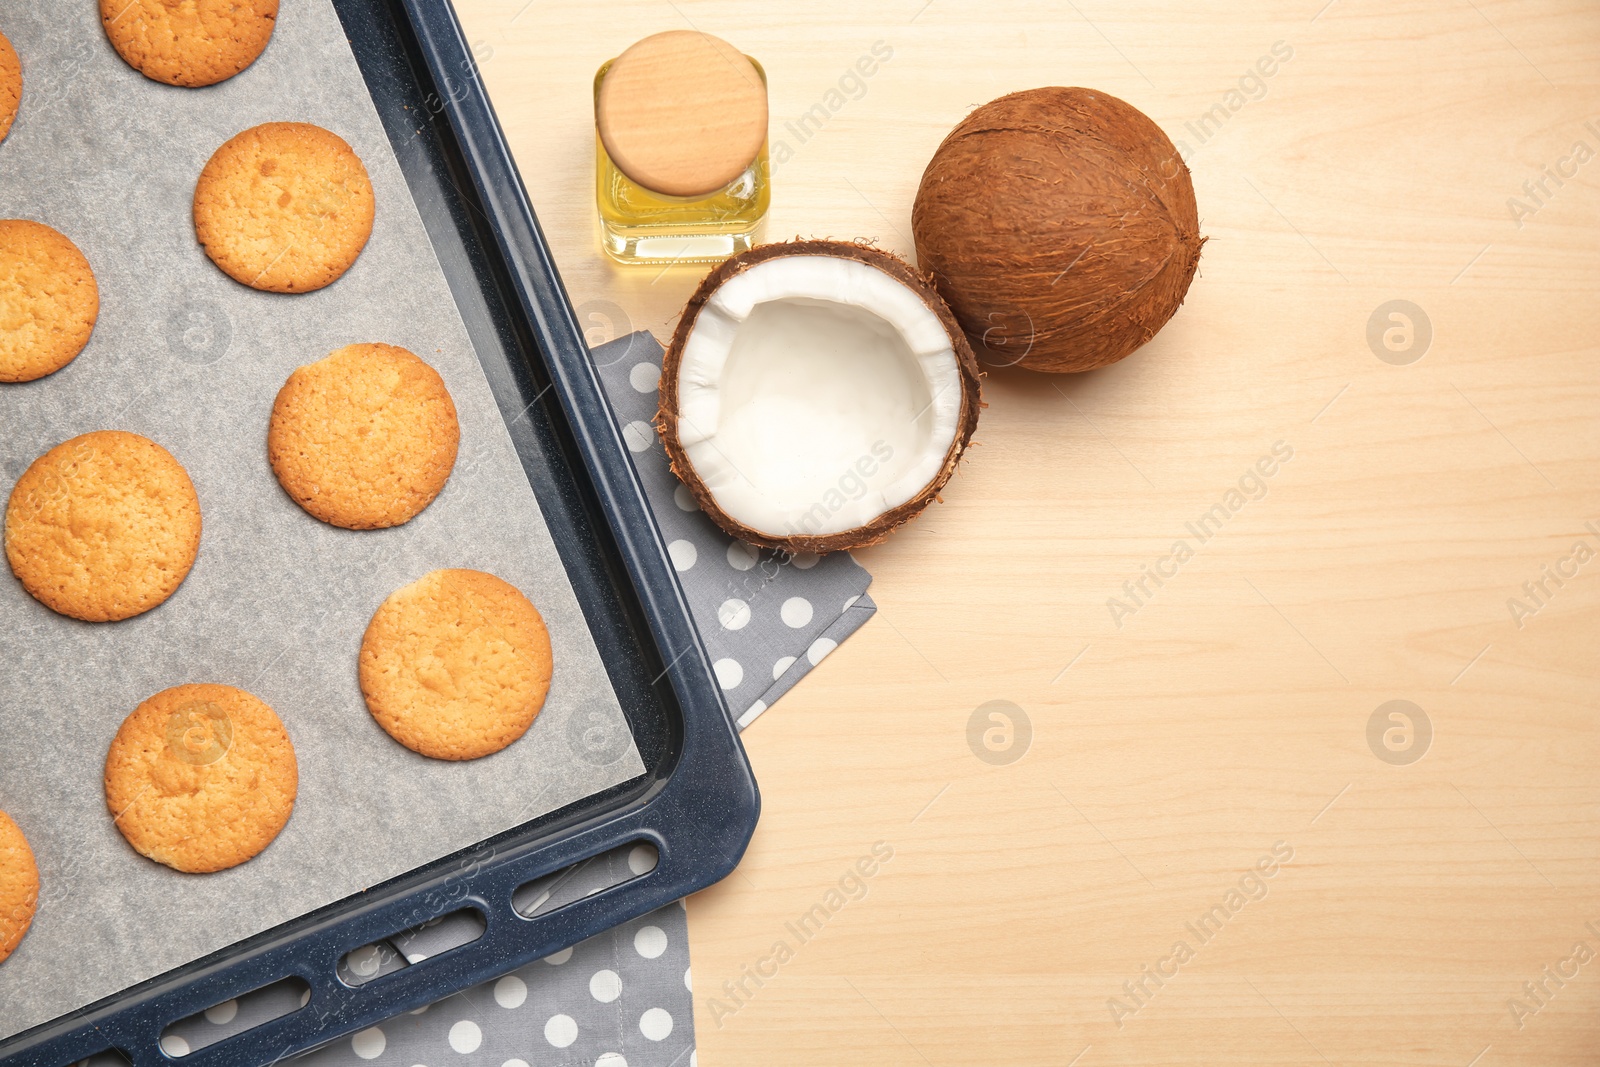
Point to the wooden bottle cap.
(682, 113)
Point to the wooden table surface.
(1425, 151)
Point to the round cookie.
(48, 300)
(10, 85)
(189, 42)
(364, 438)
(103, 526)
(201, 777)
(455, 665)
(284, 206)
(19, 886)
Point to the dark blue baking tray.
(697, 802)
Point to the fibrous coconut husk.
(1060, 226)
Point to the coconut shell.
(1060, 226)
(666, 421)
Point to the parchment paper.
(277, 601)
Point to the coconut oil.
(642, 225)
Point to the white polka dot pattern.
(369, 1044)
(656, 1024)
(684, 554)
(819, 649)
(643, 377)
(734, 614)
(650, 942)
(561, 1031)
(796, 612)
(729, 673)
(466, 1037)
(638, 435)
(605, 986)
(510, 992)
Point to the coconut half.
(816, 395)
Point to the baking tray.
(697, 802)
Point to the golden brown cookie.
(10, 89)
(19, 886)
(284, 206)
(103, 527)
(48, 300)
(364, 438)
(456, 664)
(189, 42)
(201, 777)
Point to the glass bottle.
(640, 224)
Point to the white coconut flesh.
(815, 394)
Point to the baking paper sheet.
(277, 601)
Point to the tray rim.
(699, 806)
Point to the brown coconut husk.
(1060, 226)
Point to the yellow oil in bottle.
(639, 225)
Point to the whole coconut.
(1060, 227)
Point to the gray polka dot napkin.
(622, 998)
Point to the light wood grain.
(1230, 711)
